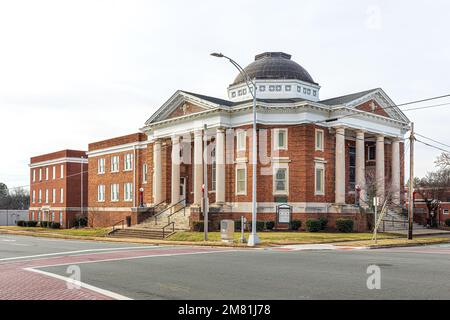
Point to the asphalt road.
(159, 273)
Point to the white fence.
(10, 217)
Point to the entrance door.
(183, 189)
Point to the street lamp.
(253, 238)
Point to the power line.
(432, 146)
(432, 140)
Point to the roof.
(210, 99)
(274, 65)
(347, 98)
(57, 155)
(117, 141)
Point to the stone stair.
(179, 214)
(394, 221)
(134, 232)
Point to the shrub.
(199, 226)
(81, 221)
(55, 225)
(31, 223)
(295, 224)
(323, 223)
(260, 225)
(44, 224)
(21, 223)
(447, 222)
(344, 225)
(270, 225)
(313, 225)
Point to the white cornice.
(119, 148)
(58, 161)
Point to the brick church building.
(314, 155)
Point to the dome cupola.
(277, 77)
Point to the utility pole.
(205, 181)
(411, 184)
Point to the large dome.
(274, 65)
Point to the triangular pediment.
(183, 104)
(379, 103)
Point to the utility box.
(227, 230)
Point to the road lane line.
(75, 252)
(136, 257)
(104, 292)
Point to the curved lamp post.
(253, 239)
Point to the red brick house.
(58, 186)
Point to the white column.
(360, 173)
(157, 172)
(340, 166)
(198, 167)
(379, 166)
(220, 166)
(395, 172)
(176, 161)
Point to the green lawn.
(84, 232)
(284, 237)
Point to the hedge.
(295, 224)
(270, 225)
(447, 222)
(21, 223)
(344, 225)
(31, 223)
(55, 225)
(323, 223)
(313, 225)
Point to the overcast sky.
(74, 72)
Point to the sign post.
(243, 222)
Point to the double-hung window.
(241, 140)
(40, 196)
(319, 140)
(115, 164)
(101, 166)
(280, 180)
(61, 195)
(62, 171)
(319, 179)
(241, 180)
(128, 192)
(128, 162)
(144, 173)
(46, 195)
(34, 196)
(54, 172)
(34, 175)
(280, 139)
(40, 174)
(54, 195)
(46, 173)
(101, 193)
(114, 192)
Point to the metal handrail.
(114, 225)
(164, 228)
(182, 208)
(164, 210)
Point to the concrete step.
(140, 233)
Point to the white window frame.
(115, 192)
(113, 163)
(40, 196)
(241, 140)
(128, 162)
(54, 172)
(319, 166)
(445, 211)
(46, 195)
(46, 173)
(61, 174)
(144, 173)
(101, 193)
(61, 195)
(54, 195)
(40, 174)
(242, 192)
(128, 191)
(61, 217)
(101, 165)
(276, 139)
(34, 196)
(34, 175)
(317, 140)
(276, 167)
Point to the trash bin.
(128, 221)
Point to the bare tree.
(443, 161)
